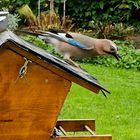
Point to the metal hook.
(23, 69)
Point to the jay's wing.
(65, 37)
(75, 39)
(61, 36)
(84, 39)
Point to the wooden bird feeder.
(34, 86)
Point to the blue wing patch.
(77, 43)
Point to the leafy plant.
(40, 43)
(35, 41)
(13, 20)
(115, 11)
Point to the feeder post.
(51, 10)
(64, 12)
(39, 12)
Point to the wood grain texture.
(29, 107)
(96, 137)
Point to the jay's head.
(109, 47)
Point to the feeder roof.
(76, 75)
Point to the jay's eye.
(112, 48)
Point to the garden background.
(117, 20)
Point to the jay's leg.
(68, 59)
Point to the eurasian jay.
(74, 45)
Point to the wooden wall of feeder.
(34, 86)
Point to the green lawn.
(119, 114)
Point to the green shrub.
(40, 43)
(104, 11)
(35, 41)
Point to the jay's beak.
(116, 55)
